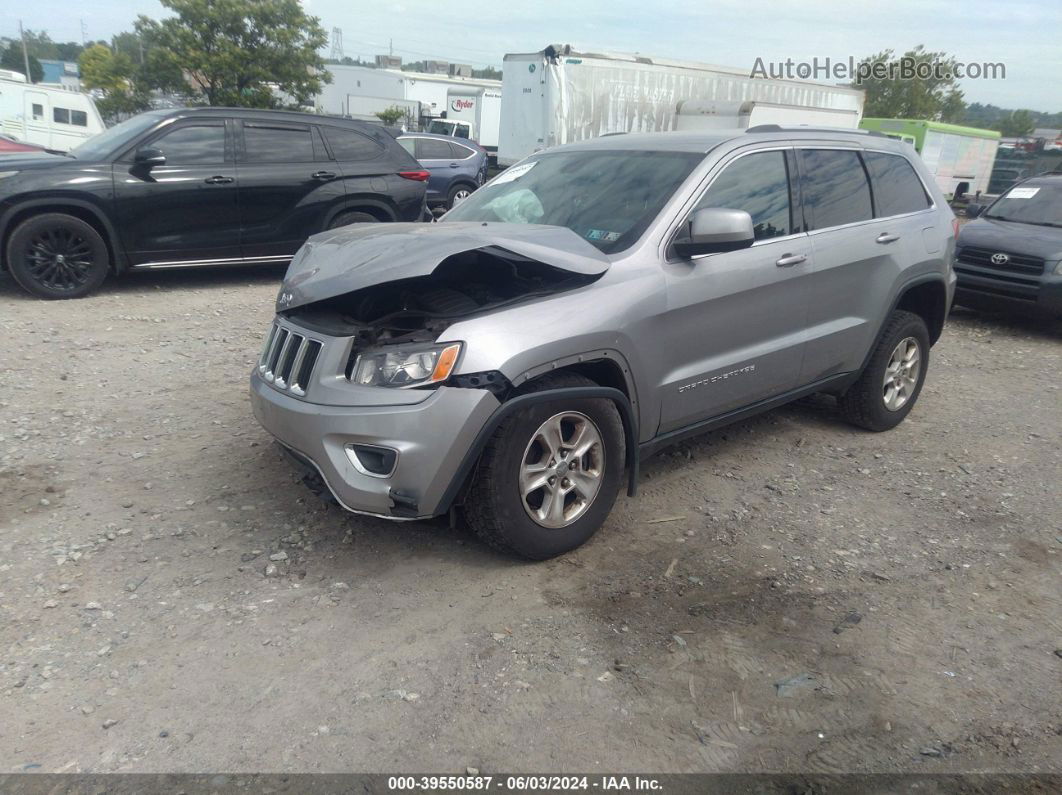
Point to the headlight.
(406, 365)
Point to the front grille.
(1017, 263)
(288, 359)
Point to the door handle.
(324, 176)
(218, 180)
(789, 260)
(453, 165)
(886, 237)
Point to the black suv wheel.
(55, 255)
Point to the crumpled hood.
(1013, 238)
(361, 255)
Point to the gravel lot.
(788, 594)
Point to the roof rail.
(766, 128)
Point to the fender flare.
(900, 293)
(56, 204)
(475, 450)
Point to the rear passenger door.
(733, 332)
(288, 186)
(438, 157)
(370, 173)
(862, 239)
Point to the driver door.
(734, 330)
(186, 210)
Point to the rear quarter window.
(351, 144)
(834, 187)
(897, 188)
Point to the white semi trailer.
(559, 95)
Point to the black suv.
(1010, 258)
(201, 186)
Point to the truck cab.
(453, 128)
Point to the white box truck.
(559, 95)
(471, 114)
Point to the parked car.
(596, 303)
(1010, 257)
(202, 186)
(9, 144)
(457, 168)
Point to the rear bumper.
(431, 437)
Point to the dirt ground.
(788, 594)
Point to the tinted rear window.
(277, 144)
(834, 187)
(433, 149)
(897, 189)
(351, 144)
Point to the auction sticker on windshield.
(513, 173)
(1022, 193)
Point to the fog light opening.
(373, 460)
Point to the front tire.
(55, 256)
(892, 380)
(550, 474)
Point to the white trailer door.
(523, 105)
(37, 118)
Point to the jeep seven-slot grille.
(288, 359)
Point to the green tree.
(928, 89)
(392, 115)
(115, 75)
(12, 59)
(242, 52)
(1018, 124)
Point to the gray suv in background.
(595, 303)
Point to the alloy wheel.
(59, 259)
(561, 470)
(901, 373)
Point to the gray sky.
(1023, 35)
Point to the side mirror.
(149, 156)
(716, 229)
(974, 210)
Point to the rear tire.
(345, 219)
(458, 193)
(499, 505)
(900, 357)
(55, 256)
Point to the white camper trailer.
(559, 95)
(46, 115)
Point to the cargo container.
(961, 158)
(560, 95)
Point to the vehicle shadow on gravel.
(1036, 326)
(165, 280)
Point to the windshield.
(1030, 204)
(439, 128)
(101, 145)
(608, 198)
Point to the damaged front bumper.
(431, 438)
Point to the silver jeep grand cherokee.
(598, 302)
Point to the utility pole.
(390, 46)
(83, 32)
(25, 52)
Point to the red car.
(9, 144)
